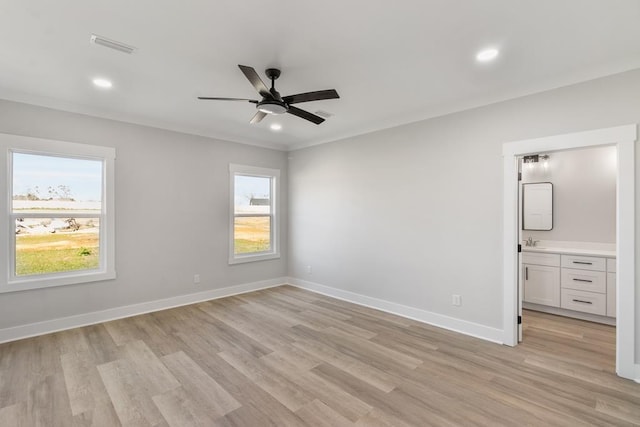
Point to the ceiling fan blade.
(256, 81)
(258, 117)
(311, 96)
(253, 101)
(305, 115)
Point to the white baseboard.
(55, 325)
(457, 325)
(611, 321)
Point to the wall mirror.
(537, 206)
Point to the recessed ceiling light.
(487, 55)
(276, 126)
(102, 83)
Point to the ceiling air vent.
(112, 44)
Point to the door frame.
(623, 137)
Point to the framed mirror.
(537, 206)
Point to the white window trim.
(22, 144)
(275, 212)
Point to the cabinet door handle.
(583, 280)
(582, 262)
(583, 302)
(526, 273)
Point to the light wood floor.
(287, 357)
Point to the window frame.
(274, 175)
(10, 144)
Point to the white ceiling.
(391, 62)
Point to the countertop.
(569, 251)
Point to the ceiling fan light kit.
(272, 102)
(272, 107)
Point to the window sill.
(240, 259)
(50, 281)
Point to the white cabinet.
(542, 285)
(541, 278)
(570, 282)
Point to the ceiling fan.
(272, 102)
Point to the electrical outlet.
(309, 270)
(456, 300)
(196, 278)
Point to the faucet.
(530, 242)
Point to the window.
(254, 217)
(57, 213)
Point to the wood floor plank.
(149, 367)
(216, 335)
(100, 344)
(320, 321)
(249, 415)
(48, 403)
(285, 391)
(340, 401)
(367, 373)
(318, 414)
(126, 388)
(288, 357)
(201, 389)
(180, 409)
(102, 415)
(14, 415)
(249, 326)
(378, 418)
(123, 330)
(84, 386)
(623, 410)
(72, 340)
(15, 370)
(247, 392)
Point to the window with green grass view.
(254, 213)
(56, 206)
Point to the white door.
(520, 296)
(520, 238)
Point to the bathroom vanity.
(570, 281)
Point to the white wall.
(584, 194)
(172, 198)
(413, 214)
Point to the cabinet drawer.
(611, 265)
(588, 302)
(584, 280)
(584, 262)
(550, 260)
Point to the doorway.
(567, 217)
(623, 137)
